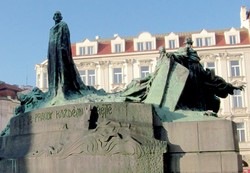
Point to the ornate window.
(88, 76)
(204, 38)
(199, 42)
(235, 68)
(172, 41)
(232, 36)
(237, 101)
(232, 39)
(211, 65)
(241, 132)
(148, 45)
(91, 77)
(208, 63)
(117, 75)
(208, 41)
(118, 48)
(83, 75)
(117, 45)
(81, 50)
(171, 44)
(140, 46)
(144, 71)
(86, 47)
(145, 41)
(90, 50)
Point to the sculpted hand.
(241, 87)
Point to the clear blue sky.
(25, 25)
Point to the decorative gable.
(145, 41)
(232, 36)
(204, 38)
(86, 47)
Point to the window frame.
(237, 99)
(144, 73)
(91, 77)
(199, 41)
(172, 43)
(117, 76)
(241, 130)
(235, 70)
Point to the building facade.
(8, 102)
(112, 63)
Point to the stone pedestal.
(105, 137)
(116, 138)
(202, 146)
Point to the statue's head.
(188, 40)
(57, 16)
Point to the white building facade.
(112, 63)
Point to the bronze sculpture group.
(201, 91)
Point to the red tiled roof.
(73, 49)
(160, 42)
(129, 46)
(244, 37)
(6, 86)
(104, 45)
(9, 90)
(220, 39)
(104, 48)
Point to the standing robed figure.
(63, 76)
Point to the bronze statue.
(63, 76)
(179, 81)
(202, 88)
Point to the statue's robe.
(203, 88)
(62, 73)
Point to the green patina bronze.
(179, 82)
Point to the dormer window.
(117, 45)
(118, 48)
(86, 48)
(140, 46)
(204, 38)
(148, 45)
(232, 39)
(208, 41)
(199, 42)
(90, 50)
(81, 50)
(232, 36)
(145, 41)
(172, 41)
(171, 44)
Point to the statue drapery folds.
(62, 73)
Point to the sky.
(25, 25)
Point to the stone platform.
(202, 146)
(105, 137)
(116, 138)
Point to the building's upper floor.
(146, 41)
(7, 90)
